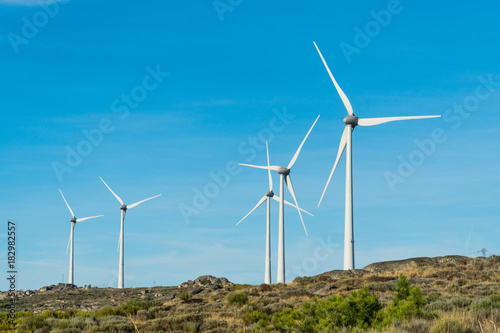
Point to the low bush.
(492, 302)
(108, 311)
(239, 299)
(359, 309)
(448, 325)
(185, 296)
(32, 323)
(191, 327)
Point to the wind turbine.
(121, 241)
(267, 197)
(284, 173)
(351, 121)
(73, 221)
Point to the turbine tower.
(73, 221)
(351, 121)
(267, 197)
(121, 241)
(284, 176)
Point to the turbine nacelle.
(351, 120)
(270, 194)
(283, 171)
(123, 207)
(73, 220)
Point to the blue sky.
(173, 93)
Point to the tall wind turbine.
(267, 197)
(351, 121)
(284, 173)
(121, 241)
(73, 221)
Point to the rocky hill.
(454, 288)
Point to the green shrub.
(291, 320)
(31, 323)
(116, 324)
(108, 311)
(55, 314)
(492, 302)
(5, 322)
(408, 301)
(273, 308)
(401, 289)
(237, 298)
(144, 315)
(213, 325)
(252, 317)
(460, 302)
(131, 307)
(157, 311)
(85, 314)
(185, 296)
(191, 327)
(433, 297)
(360, 309)
(63, 323)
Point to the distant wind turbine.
(351, 122)
(121, 241)
(285, 176)
(267, 197)
(73, 221)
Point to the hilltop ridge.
(448, 283)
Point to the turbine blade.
(275, 197)
(138, 203)
(261, 201)
(72, 214)
(343, 143)
(272, 167)
(117, 197)
(67, 247)
(87, 218)
(343, 96)
(300, 147)
(292, 192)
(378, 121)
(269, 171)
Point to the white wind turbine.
(121, 241)
(270, 194)
(285, 176)
(351, 122)
(73, 221)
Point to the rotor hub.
(351, 120)
(123, 207)
(270, 194)
(73, 220)
(283, 171)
